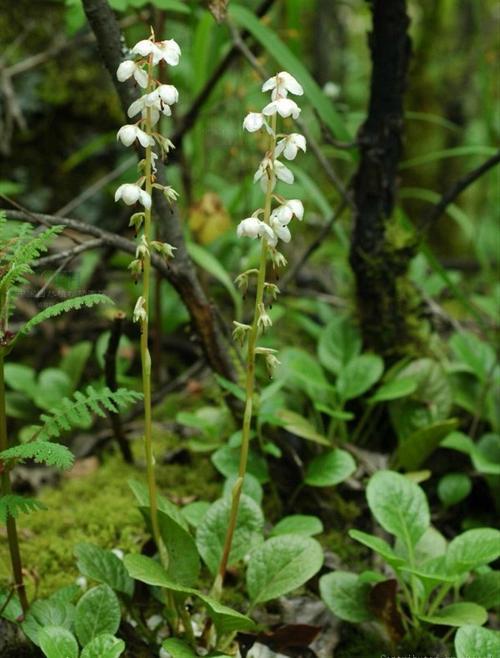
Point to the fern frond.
(12, 505)
(72, 304)
(25, 249)
(43, 452)
(73, 412)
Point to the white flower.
(128, 68)
(331, 90)
(283, 173)
(281, 84)
(154, 621)
(253, 121)
(153, 102)
(285, 212)
(168, 94)
(131, 194)
(285, 107)
(251, 227)
(280, 229)
(129, 133)
(262, 170)
(290, 145)
(170, 51)
(81, 581)
(118, 552)
(146, 47)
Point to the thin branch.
(69, 254)
(457, 188)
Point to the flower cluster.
(271, 169)
(157, 100)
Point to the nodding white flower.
(285, 212)
(142, 249)
(290, 145)
(128, 68)
(253, 121)
(146, 47)
(251, 227)
(283, 173)
(285, 107)
(168, 94)
(262, 170)
(170, 51)
(281, 84)
(140, 314)
(264, 320)
(129, 133)
(131, 194)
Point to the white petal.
(136, 107)
(170, 51)
(290, 83)
(144, 48)
(145, 199)
(249, 227)
(268, 233)
(282, 172)
(280, 147)
(282, 214)
(127, 134)
(128, 193)
(283, 233)
(126, 70)
(297, 207)
(145, 140)
(290, 151)
(299, 141)
(141, 77)
(269, 84)
(286, 107)
(253, 122)
(271, 108)
(168, 94)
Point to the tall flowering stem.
(272, 228)
(156, 101)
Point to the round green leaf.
(298, 524)
(227, 460)
(98, 611)
(194, 512)
(281, 565)
(393, 390)
(346, 596)
(477, 641)
(251, 487)
(57, 642)
(330, 468)
(359, 375)
(103, 566)
(473, 548)
(485, 589)
(211, 532)
(104, 646)
(399, 505)
(458, 614)
(454, 487)
(53, 385)
(339, 343)
(302, 370)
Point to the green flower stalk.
(157, 100)
(270, 229)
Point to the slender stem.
(15, 554)
(145, 356)
(250, 381)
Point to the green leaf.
(13, 505)
(42, 452)
(298, 524)
(486, 454)
(20, 378)
(251, 487)
(211, 533)
(478, 357)
(141, 493)
(207, 261)
(233, 388)
(104, 646)
(454, 487)
(472, 549)
(98, 611)
(359, 375)
(477, 641)
(273, 44)
(455, 152)
(74, 361)
(393, 390)
(57, 642)
(484, 589)
(303, 371)
(296, 424)
(378, 545)
(195, 512)
(184, 562)
(339, 343)
(458, 614)
(399, 505)
(414, 449)
(151, 572)
(281, 565)
(52, 385)
(45, 613)
(227, 460)
(104, 567)
(346, 596)
(330, 469)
